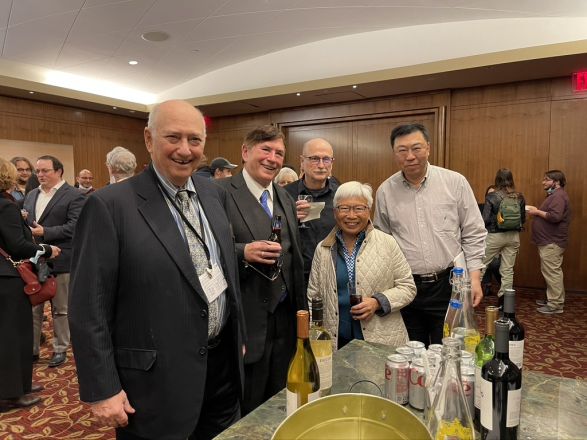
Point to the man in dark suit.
(269, 305)
(155, 318)
(53, 209)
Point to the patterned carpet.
(555, 344)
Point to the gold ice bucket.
(352, 416)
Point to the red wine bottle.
(517, 333)
(501, 390)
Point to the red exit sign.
(580, 81)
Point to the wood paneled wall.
(92, 134)
(529, 127)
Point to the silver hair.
(121, 161)
(352, 189)
(285, 172)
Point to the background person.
(433, 215)
(121, 164)
(285, 177)
(158, 340)
(16, 320)
(85, 179)
(501, 243)
(221, 168)
(24, 169)
(356, 256)
(550, 232)
(53, 209)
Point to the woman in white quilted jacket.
(357, 259)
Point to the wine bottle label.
(486, 404)
(477, 386)
(293, 400)
(517, 352)
(325, 370)
(514, 403)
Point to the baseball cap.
(221, 162)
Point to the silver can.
(417, 397)
(397, 371)
(417, 346)
(406, 351)
(468, 380)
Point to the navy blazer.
(247, 227)
(138, 315)
(58, 220)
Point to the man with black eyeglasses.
(316, 164)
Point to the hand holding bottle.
(262, 251)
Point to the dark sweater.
(555, 227)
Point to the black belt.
(432, 277)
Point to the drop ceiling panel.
(122, 17)
(248, 6)
(28, 10)
(168, 11)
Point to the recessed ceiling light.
(155, 36)
(355, 86)
(114, 108)
(31, 92)
(133, 62)
(298, 94)
(131, 111)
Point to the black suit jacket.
(58, 220)
(256, 289)
(15, 237)
(138, 315)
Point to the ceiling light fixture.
(31, 92)
(114, 108)
(133, 62)
(155, 36)
(298, 94)
(355, 86)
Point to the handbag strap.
(8, 258)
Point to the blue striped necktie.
(263, 199)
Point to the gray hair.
(122, 162)
(283, 173)
(352, 189)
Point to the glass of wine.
(356, 298)
(307, 198)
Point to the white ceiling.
(222, 47)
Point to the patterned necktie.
(263, 199)
(197, 252)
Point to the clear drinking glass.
(307, 198)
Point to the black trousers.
(221, 406)
(424, 317)
(267, 376)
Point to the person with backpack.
(504, 214)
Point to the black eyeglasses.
(315, 160)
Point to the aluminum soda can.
(406, 351)
(397, 371)
(468, 380)
(417, 346)
(417, 392)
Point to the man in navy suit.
(155, 311)
(269, 304)
(53, 209)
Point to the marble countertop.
(552, 407)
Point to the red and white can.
(417, 395)
(397, 371)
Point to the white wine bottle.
(303, 378)
(321, 343)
